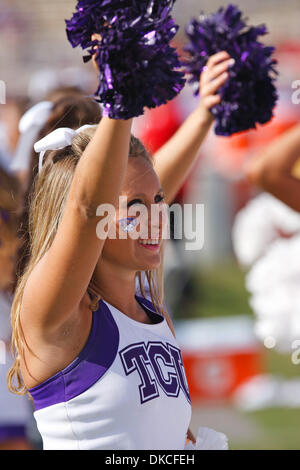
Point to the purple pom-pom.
(249, 95)
(138, 67)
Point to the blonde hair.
(46, 210)
(10, 203)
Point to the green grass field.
(279, 430)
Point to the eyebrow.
(143, 194)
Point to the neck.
(116, 287)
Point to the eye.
(134, 201)
(159, 198)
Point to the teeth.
(149, 242)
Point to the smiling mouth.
(153, 244)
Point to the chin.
(149, 266)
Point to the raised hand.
(211, 80)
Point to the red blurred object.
(230, 153)
(161, 124)
(219, 355)
(216, 376)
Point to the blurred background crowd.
(241, 381)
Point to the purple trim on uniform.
(91, 364)
(93, 361)
(12, 432)
(149, 309)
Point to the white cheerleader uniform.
(126, 390)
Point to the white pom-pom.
(259, 224)
(208, 439)
(274, 283)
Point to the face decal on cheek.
(128, 224)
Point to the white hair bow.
(35, 116)
(57, 140)
(29, 126)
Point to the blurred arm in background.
(272, 169)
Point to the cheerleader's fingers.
(97, 37)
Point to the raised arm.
(58, 282)
(176, 158)
(272, 169)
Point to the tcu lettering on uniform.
(164, 361)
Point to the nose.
(158, 221)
